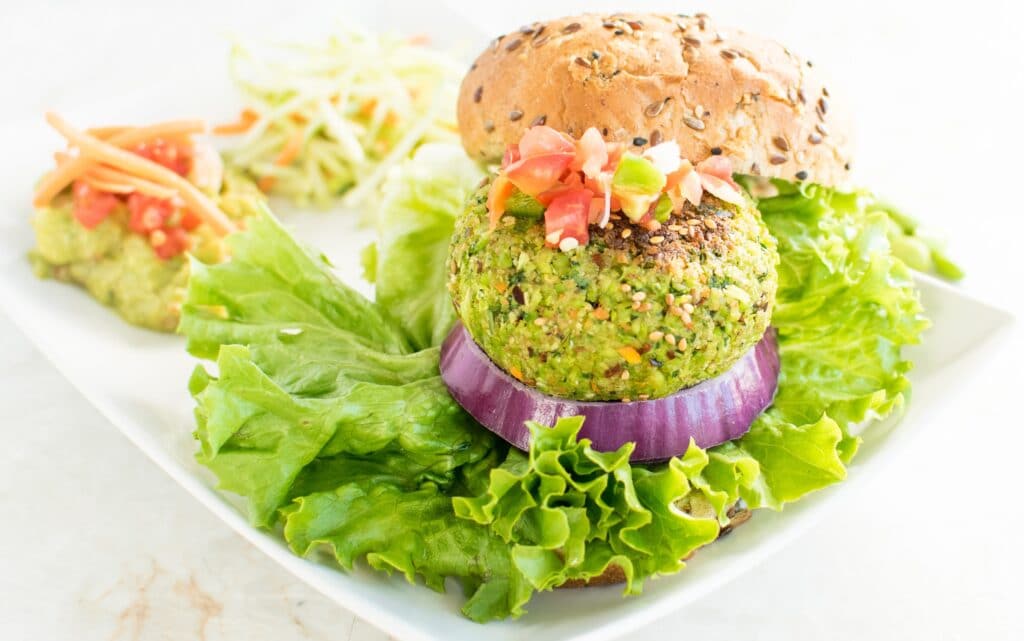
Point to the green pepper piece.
(523, 205)
(637, 183)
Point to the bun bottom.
(738, 515)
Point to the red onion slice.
(711, 412)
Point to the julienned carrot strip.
(245, 121)
(134, 183)
(117, 158)
(266, 183)
(291, 149)
(55, 181)
(102, 185)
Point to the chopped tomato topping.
(91, 206)
(719, 167)
(147, 214)
(189, 220)
(568, 216)
(543, 140)
(511, 156)
(175, 156)
(501, 189)
(168, 243)
(539, 173)
(591, 153)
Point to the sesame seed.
(777, 159)
(608, 25)
(571, 28)
(478, 94)
(710, 223)
(626, 233)
(657, 240)
(639, 141)
(716, 151)
(801, 96)
(821, 129)
(823, 105)
(801, 175)
(515, 44)
(515, 115)
(539, 42)
(690, 40)
(527, 29)
(635, 25)
(780, 143)
(814, 138)
(694, 123)
(728, 54)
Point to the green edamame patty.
(634, 314)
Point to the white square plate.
(138, 380)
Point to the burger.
(612, 266)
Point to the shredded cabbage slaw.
(332, 118)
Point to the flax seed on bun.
(647, 78)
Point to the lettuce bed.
(328, 414)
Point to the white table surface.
(99, 545)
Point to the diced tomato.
(501, 189)
(91, 206)
(148, 214)
(176, 156)
(189, 220)
(511, 156)
(168, 243)
(721, 189)
(539, 173)
(615, 151)
(543, 140)
(597, 207)
(719, 167)
(591, 153)
(568, 215)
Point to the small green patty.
(632, 315)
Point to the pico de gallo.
(123, 209)
(575, 183)
(159, 174)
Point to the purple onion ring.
(712, 412)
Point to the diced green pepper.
(637, 184)
(523, 205)
(663, 209)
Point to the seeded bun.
(648, 78)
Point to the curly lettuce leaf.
(569, 512)
(414, 226)
(415, 533)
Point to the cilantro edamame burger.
(612, 267)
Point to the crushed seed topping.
(656, 240)
(626, 233)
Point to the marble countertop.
(100, 545)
